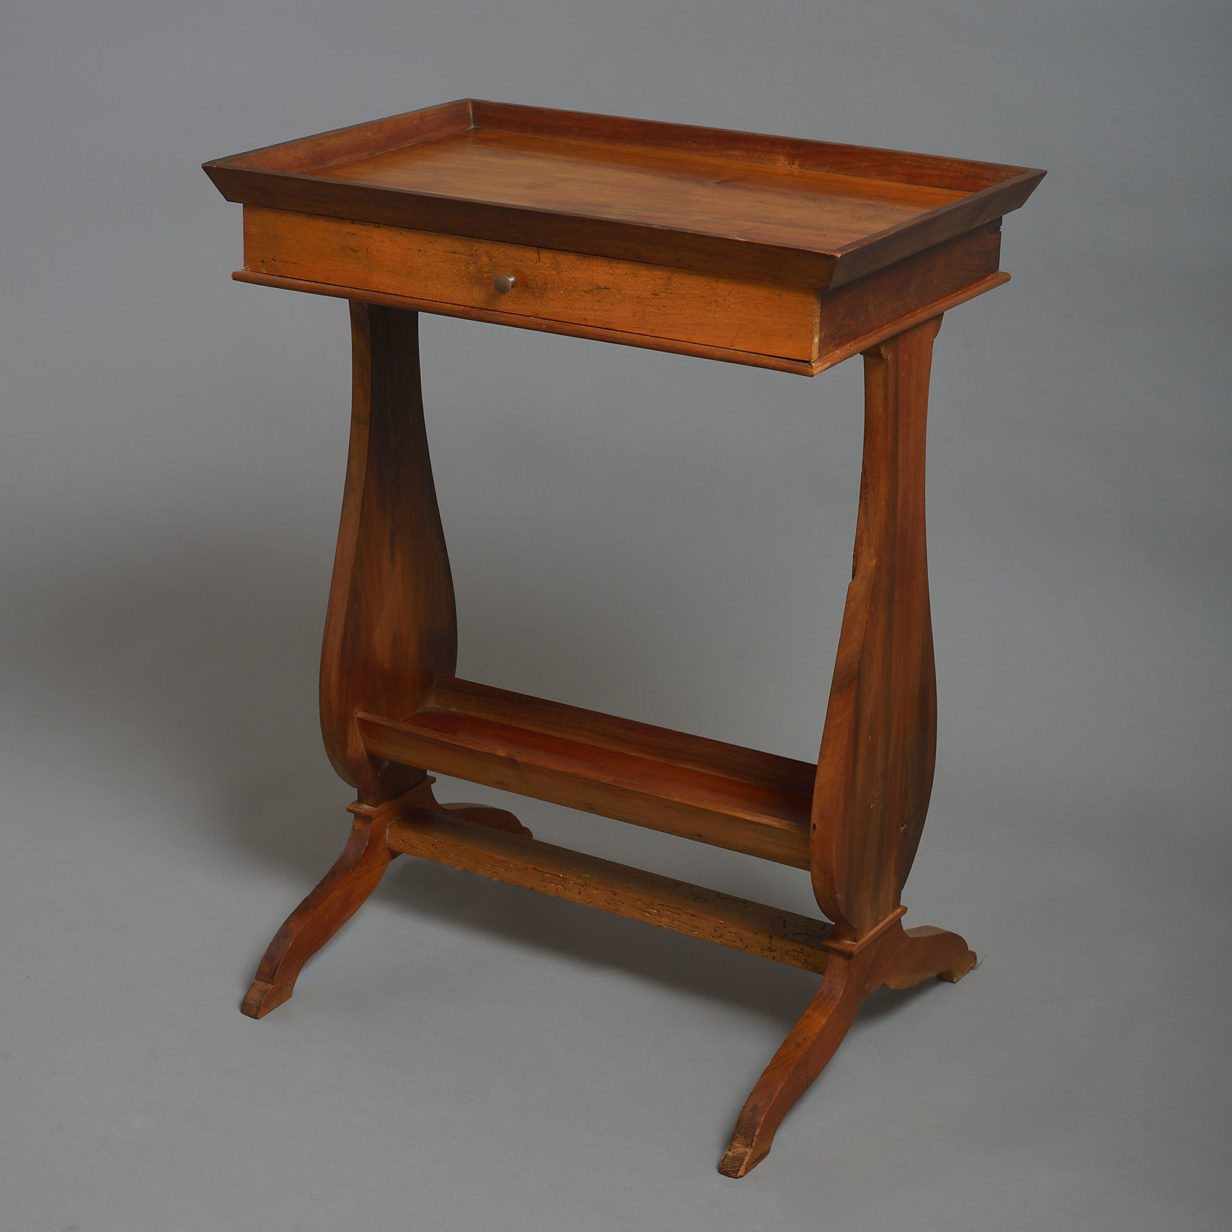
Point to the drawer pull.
(504, 283)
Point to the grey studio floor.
(651, 535)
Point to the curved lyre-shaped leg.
(875, 771)
(389, 628)
(391, 625)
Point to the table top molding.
(717, 201)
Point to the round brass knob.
(504, 283)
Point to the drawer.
(564, 288)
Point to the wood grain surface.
(390, 624)
(634, 297)
(681, 784)
(750, 205)
(782, 936)
(875, 770)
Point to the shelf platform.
(702, 789)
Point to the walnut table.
(756, 250)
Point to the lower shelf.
(710, 915)
(716, 793)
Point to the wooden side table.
(757, 250)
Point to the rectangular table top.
(694, 198)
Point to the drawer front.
(562, 287)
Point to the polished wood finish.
(348, 884)
(767, 251)
(878, 747)
(759, 250)
(892, 957)
(336, 897)
(468, 312)
(878, 330)
(391, 625)
(743, 319)
(687, 785)
(779, 206)
(569, 289)
(860, 314)
(790, 180)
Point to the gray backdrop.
(652, 535)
